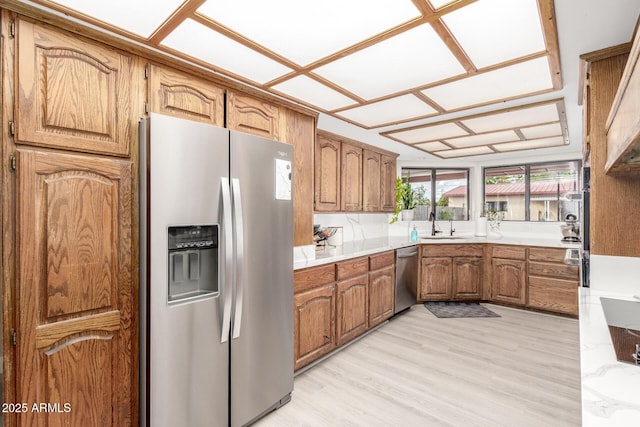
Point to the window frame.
(527, 183)
(434, 172)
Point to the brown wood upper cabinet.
(353, 177)
(73, 93)
(253, 115)
(327, 174)
(371, 171)
(183, 95)
(623, 123)
(388, 170)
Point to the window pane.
(420, 180)
(451, 194)
(549, 185)
(504, 191)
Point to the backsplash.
(356, 226)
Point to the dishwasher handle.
(407, 254)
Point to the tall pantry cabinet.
(69, 106)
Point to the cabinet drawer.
(509, 252)
(382, 260)
(443, 250)
(352, 267)
(546, 254)
(310, 278)
(553, 295)
(554, 270)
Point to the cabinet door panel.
(76, 291)
(327, 191)
(436, 275)
(73, 93)
(388, 184)
(182, 95)
(253, 115)
(314, 327)
(467, 277)
(352, 308)
(351, 178)
(381, 295)
(371, 181)
(509, 280)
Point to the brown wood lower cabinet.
(352, 298)
(314, 324)
(351, 312)
(381, 287)
(509, 278)
(509, 274)
(436, 275)
(76, 323)
(553, 285)
(467, 277)
(451, 272)
(335, 303)
(314, 332)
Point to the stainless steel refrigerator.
(216, 288)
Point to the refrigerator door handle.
(239, 241)
(228, 258)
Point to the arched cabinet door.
(182, 95)
(76, 328)
(73, 93)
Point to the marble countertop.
(358, 248)
(610, 389)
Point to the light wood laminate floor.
(521, 369)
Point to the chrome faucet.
(432, 218)
(451, 229)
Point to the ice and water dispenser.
(193, 262)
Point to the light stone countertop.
(610, 389)
(359, 248)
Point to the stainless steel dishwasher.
(406, 278)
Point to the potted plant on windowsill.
(405, 201)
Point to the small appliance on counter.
(322, 234)
(571, 229)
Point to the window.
(533, 192)
(442, 191)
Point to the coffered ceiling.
(399, 69)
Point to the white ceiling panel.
(304, 35)
(388, 111)
(528, 145)
(494, 31)
(553, 129)
(413, 58)
(431, 133)
(503, 83)
(209, 46)
(473, 151)
(514, 119)
(437, 4)
(433, 146)
(314, 93)
(141, 17)
(483, 139)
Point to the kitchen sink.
(442, 237)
